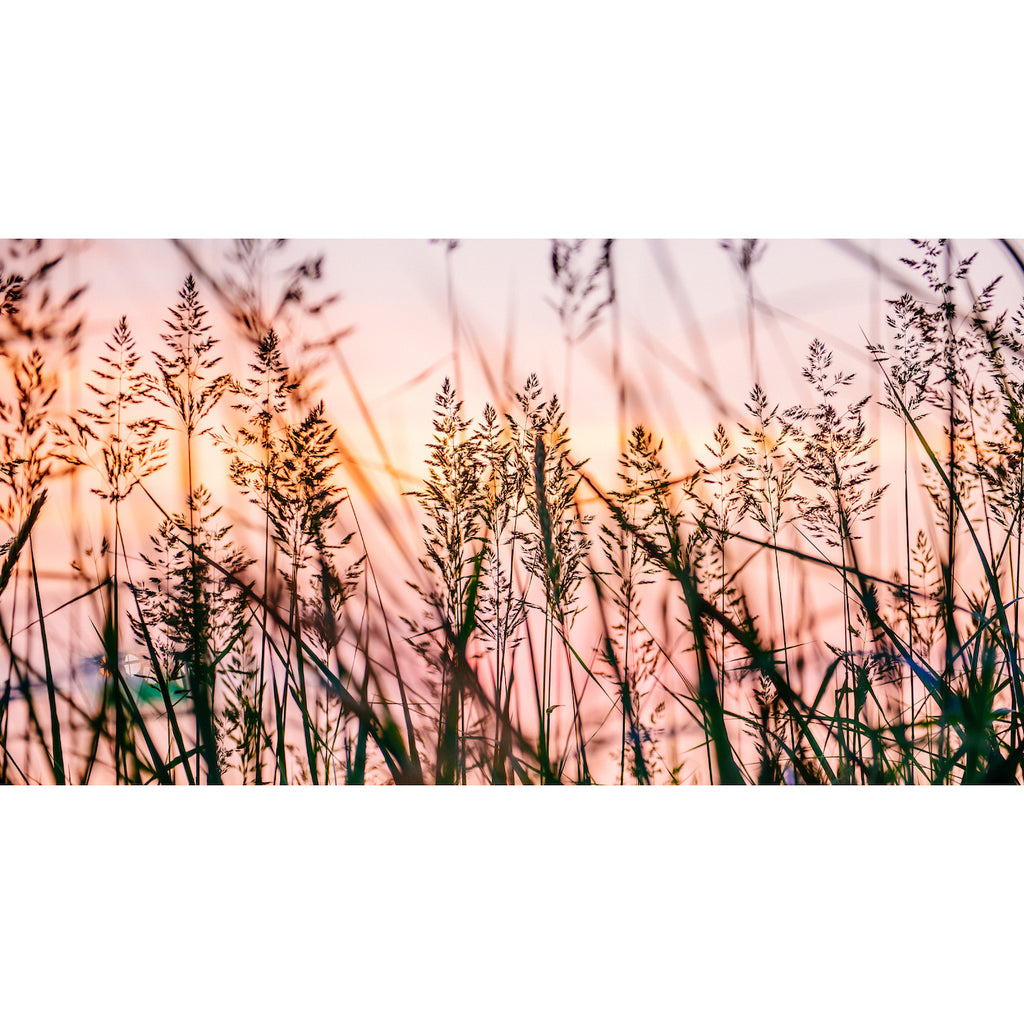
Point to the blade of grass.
(58, 751)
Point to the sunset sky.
(682, 311)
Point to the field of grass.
(272, 624)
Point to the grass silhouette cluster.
(555, 630)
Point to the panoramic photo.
(531, 512)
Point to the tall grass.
(664, 627)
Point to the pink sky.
(394, 296)
(681, 308)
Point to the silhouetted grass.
(554, 630)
